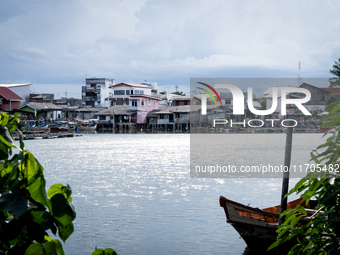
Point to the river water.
(133, 192)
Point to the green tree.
(320, 235)
(335, 81)
(330, 99)
(263, 103)
(179, 93)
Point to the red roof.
(129, 85)
(9, 94)
(335, 91)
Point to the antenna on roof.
(299, 77)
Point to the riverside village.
(130, 107)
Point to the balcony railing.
(90, 89)
(89, 99)
(135, 108)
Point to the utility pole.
(285, 181)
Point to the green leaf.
(65, 231)
(35, 249)
(59, 188)
(50, 247)
(60, 249)
(331, 123)
(109, 251)
(38, 192)
(14, 202)
(277, 243)
(330, 107)
(62, 209)
(98, 252)
(6, 137)
(295, 220)
(335, 108)
(55, 189)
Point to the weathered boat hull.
(256, 227)
(83, 128)
(256, 237)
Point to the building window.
(134, 102)
(185, 102)
(128, 92)
(141, 92)
(149, 101)
(119, 103)
(162, 116)
(131, 92)
(134, 116)
(91, 103)
(93, 85)
(119, 92)
(90, 94)
(142, 104)
(102, 117)
(228, 101)
(154, 102)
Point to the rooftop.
(125, 84)
(15, 85)
(9, 94)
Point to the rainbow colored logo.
(208, 92)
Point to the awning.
(27, 109)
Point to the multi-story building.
(137, 97)
(96, 92)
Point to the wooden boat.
(64, 127)
(86, 128)
(257, 226)
(39, 128)
(54, 129)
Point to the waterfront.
(133, 192)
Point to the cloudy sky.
(57, 44)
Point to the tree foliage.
(330, 99)
(263, 103)
(335, 81)
(27, 211)
(321, 232)
(179, 93)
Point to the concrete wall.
(23, 91)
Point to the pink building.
(137, 97)
(143, 104)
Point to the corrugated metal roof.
(180, 98)
(41, 106)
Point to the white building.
(23, 90)
(96, 92)
(121, 92)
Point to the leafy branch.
(317, 233)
